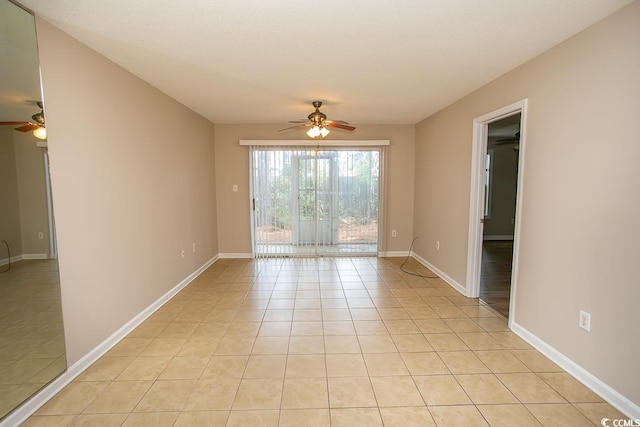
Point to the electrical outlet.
(437, 245)
(235, 188)
(182, 253)
(40, 235)
(585, 321)
(194, 248)
(394, 233)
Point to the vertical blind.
(310, 201)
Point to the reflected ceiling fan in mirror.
(37, 126)
(318, 124)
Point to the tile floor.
(322, 342)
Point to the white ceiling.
(371, 61)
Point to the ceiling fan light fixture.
(324, 131)
(314, 132)
(40, 133)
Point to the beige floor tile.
(305, 393)
(355, 417)
(463, 362)
(213, 395)
(411, 343)
(480, 341)
(485, 389)
(243, 329)
(433, 326)
(258, 394)
(270, 345)
(407, 417)
(399, 327)
(441, 390)
(118, 396)
(275, 329)
(536, 361)
(129, 346)
(105, 369)
(501, 361)
(335, 314)
(97, 420)
(558, 414)
(365, 314)
(338, 327)
(263, 418)
(329, 303)
(202, 418)
(237, 346)
(570, 388)
(385, 364)
(305, 417)
(153, 419)
(508, 416)
(163, 347)
(342, 344)
(510, 340)
(69, 420)
(307, 315)
(597, 411)
(265, 366)
(145, 368)
(166, 395)
(184, 368)
(446, 342)
(346, 365)
(421, 312)
(370, 327)
(178, 330)
(457, 416)
(278, 315)
(427, 363)
(249, 315)
(306, 366)
(73, 399)
(530, 388)
(377, 344)
(449, 312)
(393, 313)
(306, 345)
(210, 330)
(396, 391)
(148, 330)
(199, 346)
(463, 325)
(225, 367)
(300, 328)
(493, 324)
(351, 392)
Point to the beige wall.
(10, 229)
(133, 184)
(32, 194)
(580, 239)
(232, 167)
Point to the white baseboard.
(21, 257)
(617, 400)
(43, 396)
(392, 254)
(498, 237)
(457, 286)
(235, 255)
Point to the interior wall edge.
(29, 407)
(599, 387)
(444, 276)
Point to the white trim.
(454, 284)
(235, 255)
(393, 254)
(615, 398)
(23, 412)
(476, 206)
(498, 237)
(22, 257)
(34, 256)
(15, 258)
(316, 143)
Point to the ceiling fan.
(513, 140)
(38, 128)
(318, 123)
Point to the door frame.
(476, 206)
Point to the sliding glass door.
(321, 201)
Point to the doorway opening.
(320, 201)
(494, 218)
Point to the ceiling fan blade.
(338, 121)
(295, 127)
(299, 121)
(29, 127)
(333, 124)
(14, 123)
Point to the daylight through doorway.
(315, 201)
